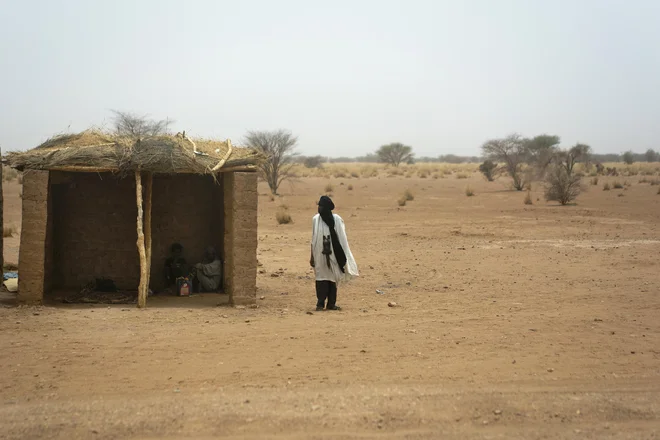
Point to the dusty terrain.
(513, 321)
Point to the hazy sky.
(345, 76)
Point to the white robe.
(321, 269)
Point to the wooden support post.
(2, 226)
(142, 289)
(148, 189)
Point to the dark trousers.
(326, 290)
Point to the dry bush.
(9, 174)
(8, 231)
(423, 174)
(408, 195)
(594, 181)
(446, 171)
(488, 169)
(436, 176)
(8, 267)
(528, 198)
(469, 191)
(402, 201)
(462, 176)
(355, 175)
(350, 187)
(283, 217)
(606, 187)
(560, 186)
(340, 174)
(617, 185)
(369, 171)
(654, 182)
(643, 180)
(329, 188)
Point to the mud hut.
(88, 198)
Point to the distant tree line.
(314, 161)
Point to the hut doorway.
(91, 227)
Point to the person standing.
(331, 256)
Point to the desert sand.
(511, 321)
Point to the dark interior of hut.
(91, 233)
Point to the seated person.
(175, 265)
(208, 274)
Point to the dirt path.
(513, 321)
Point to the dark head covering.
(325, 210)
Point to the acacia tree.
(278, 148)
(628, 157)
(139, 126)
(540, 151)
(512, 152)
(651, 156)
(568, 159)
(395, 153)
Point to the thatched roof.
(94, 150)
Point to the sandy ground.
(513, 321)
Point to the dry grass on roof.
(98, 150)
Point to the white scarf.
(319, 229)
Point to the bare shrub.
(606, 187)
(654, 182)
(528, 198)
(469, 191)
(355, 175)
(423, 174)
(643, 180)
(278, 147)
(594, 181)
(329, 188)
(561, 186)
(617, 185)
(8, 231)
(139, 126)
(462, 176)
(283, 217)
(402, 201)
(408, 195)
